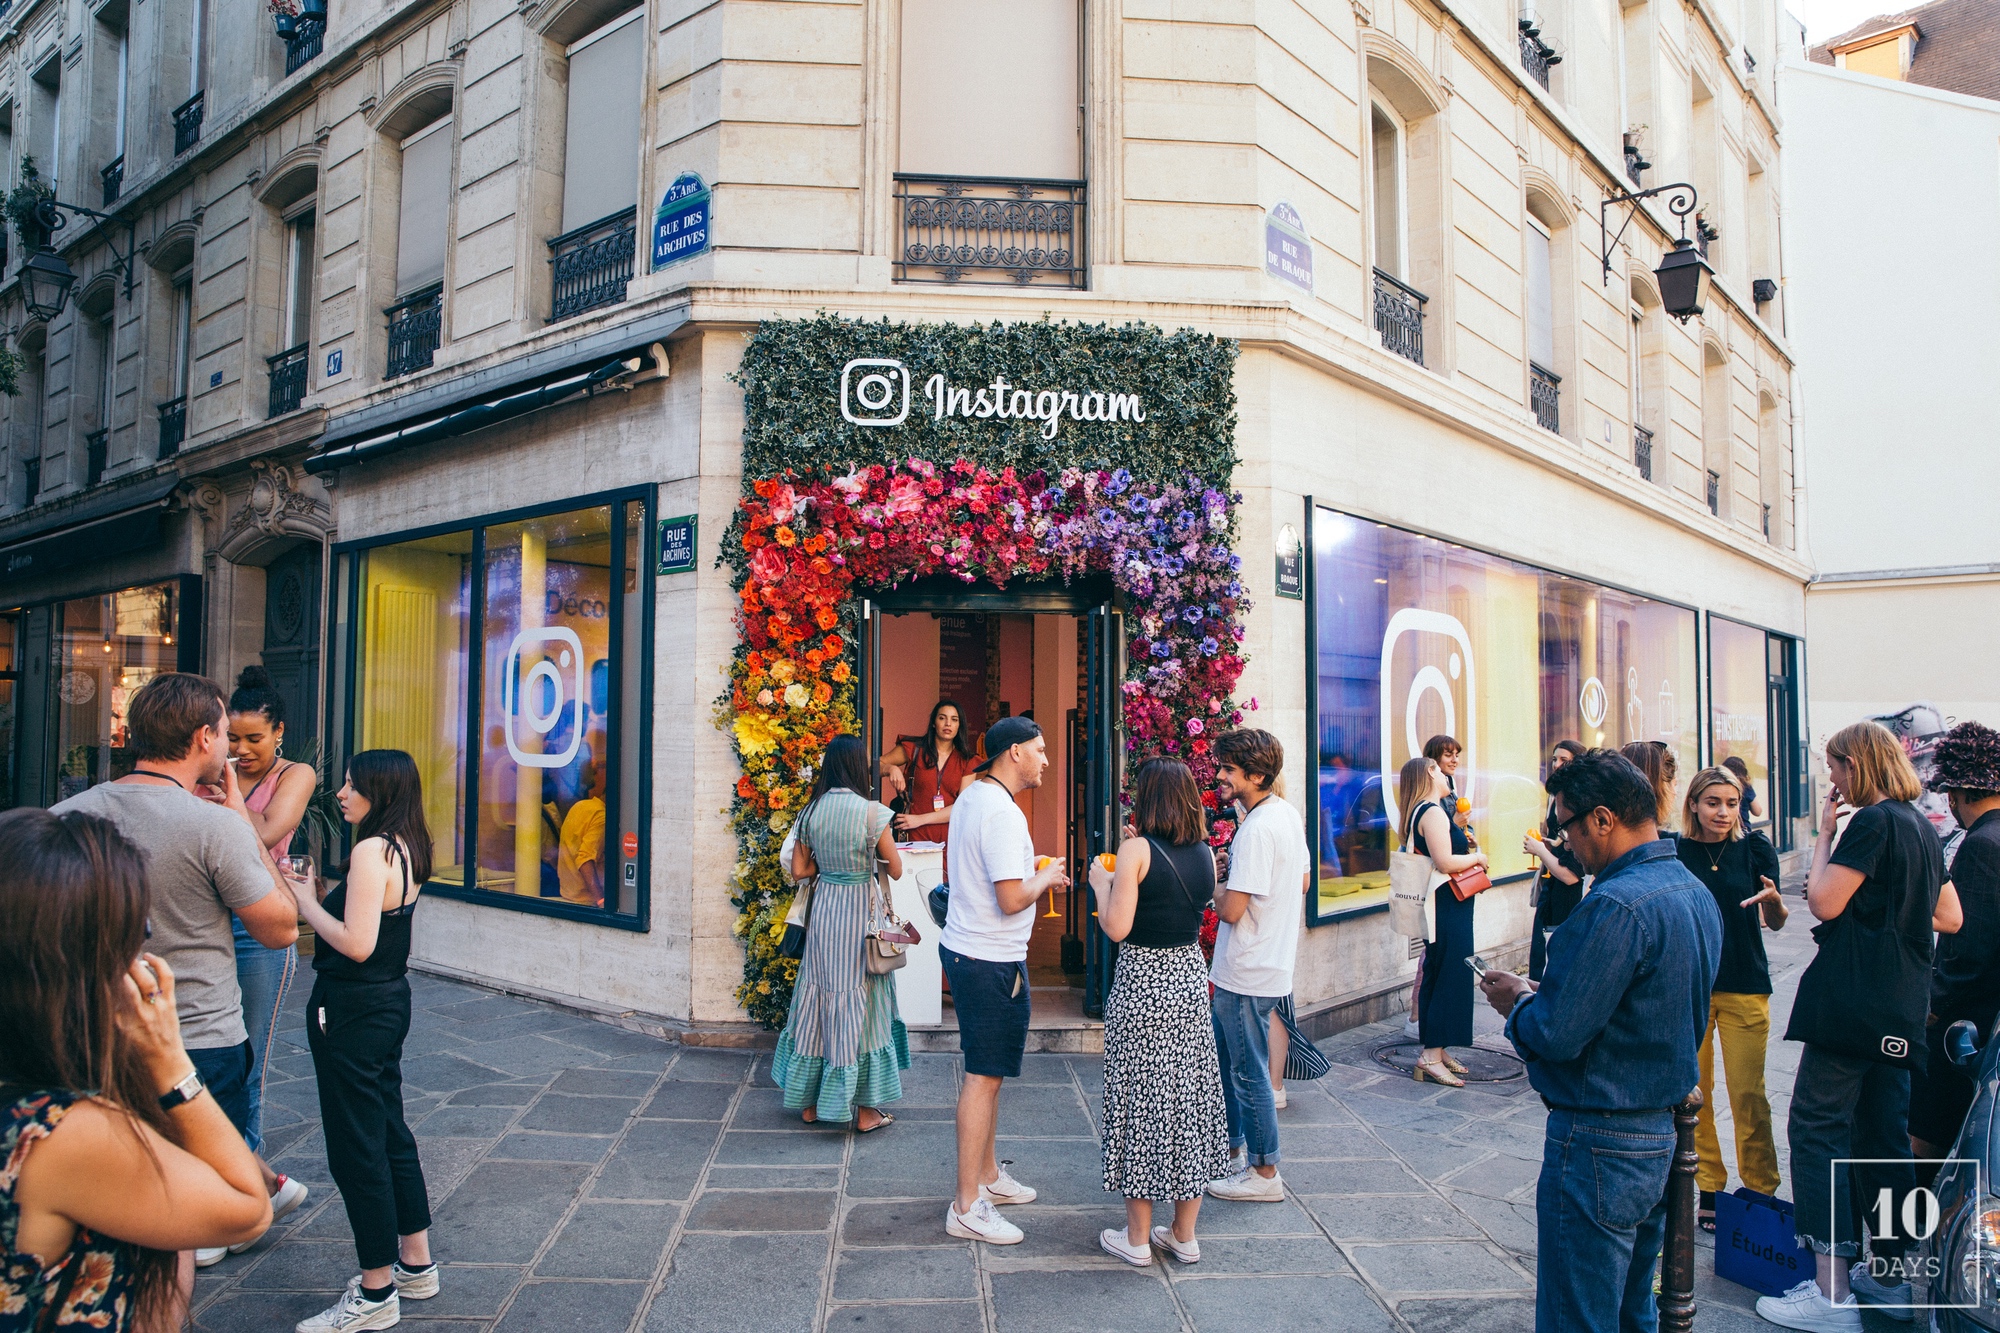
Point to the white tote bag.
(1412, 879)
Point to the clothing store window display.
(1444, 998)
(1559, 884)
(1740, 868)
(927, 773)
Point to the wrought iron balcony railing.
(1642, 451)
(31, 477)
(305, 42)
(1714, 492)
(985, 229)
(1537, 56)
(415, 323)
(94, 451)
(1399, 316)
(288, 379)
(187, 123)
(1545, 395)
(173, 425)
(592, 264)
(1767, 522)
(113, 177)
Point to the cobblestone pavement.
(586, 1178)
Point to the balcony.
(1715, 493)
(306, 41)
(31, 476)
(94, 450)
(415, 323)
(593, 264)
(113, 178)
(1537, 56)
(187, 123)
(173, 425)
(1642, 451)
(1545, 396)
(990, 230)
(1399, 317)
(288, 379)
(1767, 523)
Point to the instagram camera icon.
(561, 665)
(1444, 655)
(881, 393)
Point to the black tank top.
(391, 959)
(1169, 911)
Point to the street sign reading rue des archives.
(681, 227)
(677, 544)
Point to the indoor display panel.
(1739, 688)
(107, 647)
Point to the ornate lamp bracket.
(52, 220)
(1681, 201)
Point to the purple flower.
(1162, 650)
(1209, 647)
(1192, 615)
(1138, 504)
(1117, 482)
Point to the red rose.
(767, 565)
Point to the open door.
(868, 686)
(1104, 641)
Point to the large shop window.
(1753, 683)
(106, 648)
(509, 659)
(1418, 637)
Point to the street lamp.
(45, 283)
(1683, 277)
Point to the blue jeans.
(1601, 1214)
(264, 976)
(225, 1071)
(1243, 1039)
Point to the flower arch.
(807, 540)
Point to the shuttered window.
(988, 92)
(1541, 298)
(426, 208)
(601, 148)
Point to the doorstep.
(1056, 1026)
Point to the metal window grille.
(1545, 395)
(1633, 171)
(592, 264)
(94, 451)
(187, 123)
(1642, 451)
(993, 230)
(31, 475)
(1767, 522)
(1537, 56)
(288, 379)
(1399, 316)
(415, 323)
(306, 41)
(173, 425)
(113, 177)
(1714, 492)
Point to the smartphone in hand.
(1480, 967)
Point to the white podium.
(920, 982)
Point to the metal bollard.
(1677, 1255)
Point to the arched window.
(1406, 187)
(1547, 279)
(1717, 453)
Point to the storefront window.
(1418, 637)
(1739, 689)
(107, 647)
(10, 684)
(527, 635)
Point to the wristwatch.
(186, 1090)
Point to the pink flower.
(784, 504)
(906, 497)
(767, 566)
(1194, 726)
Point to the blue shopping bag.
(1756, 1245)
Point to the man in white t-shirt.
(1256, 943)
(990, 865)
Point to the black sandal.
(1704, 1216)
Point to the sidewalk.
(588, 1178)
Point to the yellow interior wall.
(410, 683)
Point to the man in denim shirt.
(1610, 1038)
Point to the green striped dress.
(843, 1045)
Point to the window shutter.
(601, 148)
(1541, 300)
(426, 214)
(987, 96)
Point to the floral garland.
(807, 542)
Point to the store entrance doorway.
(1052, 652)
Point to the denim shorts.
(225, 1072)
(992, 1004)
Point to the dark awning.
(90, 538)
(495, 394)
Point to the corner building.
(435, 361)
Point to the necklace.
(1714, 861)
(153, 773)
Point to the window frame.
(343, 610)
(1400, 132)
(308, 207)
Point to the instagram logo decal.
(560, 651)
(1444, 650)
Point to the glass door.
(1104, 640)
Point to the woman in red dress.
(928, 770)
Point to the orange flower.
(827, 618)
(823, 692)
(821, 565)
(840, 672)
(780, 798)
(833, 645)
(786, 537)
(745, 787)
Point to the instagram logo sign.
(875, 391)
(557, 677)
(1425, 654)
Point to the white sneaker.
(290, 1196)
(980, 1222)
(1899, 1301)
(1247, 1186)
(415, 1286)
(1278, 1098)
(353, 1312)
(1006, 1189)
(1239, 1162)
(1189, 1253)
(1115, 1242)
(1803, 1307)
(209, 1258)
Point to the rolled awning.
(90, 539)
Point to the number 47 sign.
(1941, 1264)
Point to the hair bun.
(253, 677)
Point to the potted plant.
(285, 13)
(27, 207)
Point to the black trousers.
(1444, 1004)
(1844, 1108)
(356, 1032)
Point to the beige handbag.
(886, 946)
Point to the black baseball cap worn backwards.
(1007, 732)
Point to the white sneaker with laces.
(353, 1312)
(1118, 1244)
(1247, 1186)
(415, 1286)
(1189, 1253)
(1239, 1162)
(1278, 1098)
(209, 1258)
(982, 1221)
(1896, 1302)
(1006, 1189)
(290, 1196)
(1803, 1307)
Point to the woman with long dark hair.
(1656, 760)
(1444, 1013)
(843, 1050)
(356, 1020)
(115, 1157)
(1165, 1132)
(938, 763)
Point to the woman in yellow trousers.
(1741, 869)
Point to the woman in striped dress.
(843, 1050)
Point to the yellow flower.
(778, 929)
(797, 695)
(763, 988)
(756, 734)
(782, 671)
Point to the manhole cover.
(1481, 1065)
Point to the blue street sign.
(681, 226)
(1288, 254)
(677, 544)
(333, 360)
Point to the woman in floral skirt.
(1165, 1131)
(843, 1050)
